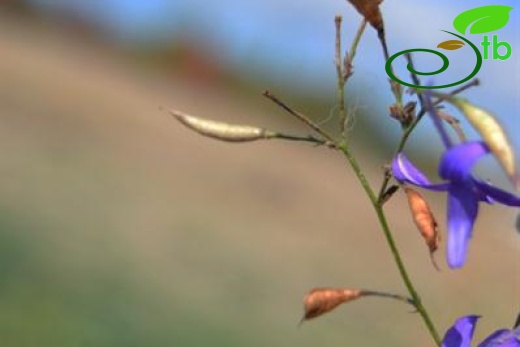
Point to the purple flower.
(461, 334)
(464, 192)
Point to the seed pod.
(369, 9)
(322, 300)
(492, 133)
(222, 131)
(424, 220)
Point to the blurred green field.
(120, 228)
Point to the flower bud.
(424, 220)
(492, 133)
(222, 131)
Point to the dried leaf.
(451, 45)
(322, 300)
(222, 131)
(482, 19)
(492, 133)
(424, 220)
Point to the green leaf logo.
(485, 19)
(451, 45)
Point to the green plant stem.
(353, 48)
(391, 242)
(344, 68)
(340, 95)
(342, 146)
(375, 200)
(308, 138)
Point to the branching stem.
(376, 201)
(300, 116)
(391, 242)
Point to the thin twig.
(406, 133)
(415, 78)
(349, 58)
(344, 69)
(473, 83)
(340, 89)
(395, 87)
(301, 117)
(382, 38)
(388, 295)
(437, 121)
(409, 60)
(454, 123)
(308, 138)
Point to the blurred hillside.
(120, 228)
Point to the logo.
(479, 20)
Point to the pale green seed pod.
(492, 133)
(222, 131)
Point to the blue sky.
(293, 40)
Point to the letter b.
(496, 45)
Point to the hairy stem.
(344, 69)
(340, 89)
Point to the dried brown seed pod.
(425, 221)
(222, 131)
(322, 300)
(369, 9)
